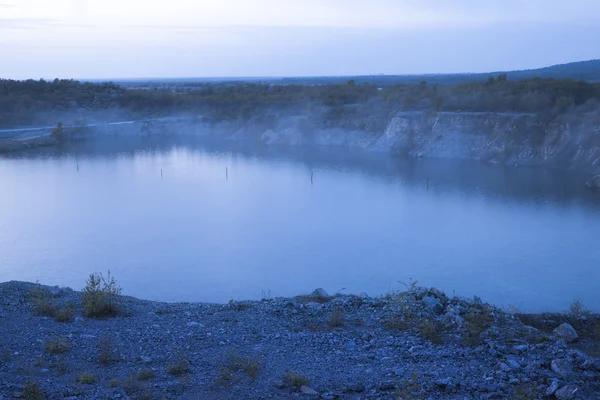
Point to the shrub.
(178, 367)
(476, 322)
(42, 301)
(577, 309)
(105, 351)
(33, 391)
(100, 296)
(57, 346)
(65, 314)
(87, 378)
(337, 318)
(250, 366)
(145, 374)
(113, 383)
(430, 331)
(295, 380)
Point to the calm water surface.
(236, 223)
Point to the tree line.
(37, 101)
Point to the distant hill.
(583, 70)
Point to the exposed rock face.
(564, 141)
(566, 332)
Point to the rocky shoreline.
(419, 344)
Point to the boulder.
(566, 332)
(308, 390)
(562, 367)
(552, 388)
(433, 304)
(567, 392)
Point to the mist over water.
(232, 222)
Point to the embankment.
(418, 344)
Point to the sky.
(111, 39)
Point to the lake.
(226, 221)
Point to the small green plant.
(113, 383)
(43, 302)
(65, 314)
(145, 374)
(578, 309)
(295, 380)
(100, 296)
(33, 391)
(430, 331)
(105, 351)
(57, 346)
(337, 318)
(87, 378)
(179, 367)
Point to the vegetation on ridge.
(32, 102)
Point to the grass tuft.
(57, 345)
(179, 367)
(87, 378)
(250, 366)
(430, 331)
(105, 351)
(65, 314)
(476, 323)
(295, 380)
(33, 391)
(43, 301)
(145, 374)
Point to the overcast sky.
(196, 38)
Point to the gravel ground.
(419, 344)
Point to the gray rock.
(567, 392)
(194, 323)
(552, 388)
(504, 367)
(566, 332)
(314, 306)
(420, 293)
(443, 383)
(562, 367)
(514, 364)
(146, 359)
(433, 304)
(308, 390)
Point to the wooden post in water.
(311, 177)
(161, 173)
(77, 167)
(226, 173)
